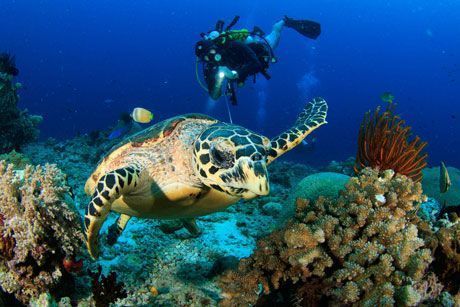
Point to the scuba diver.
(234, 55)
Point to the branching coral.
(384, 143)
(106, 289)
(39, 229)
(358, 249)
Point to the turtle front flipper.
(312, 117)
(109, 187)
(117, 228)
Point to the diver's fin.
(308, 28)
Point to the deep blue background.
(84, 62)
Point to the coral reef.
(384, 142)
(430, 185)
(447, 256)
(106, 289)
(19, 160)
(39, 230)
(343, 167)
(287, 173)
(320, 184)
(17, 127)
(430, 210)
(358, 249)
(8, 65)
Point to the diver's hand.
(225, 72)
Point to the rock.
(272, 208)
(222, 264)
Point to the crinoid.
(385, 142)
(7, 64)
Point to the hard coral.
(18, 159)
(358, 249)
(17, 127)
(106, 289)
(447, 257)
(39, 228)
(7, 64)
(384, 143)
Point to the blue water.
(84, 62)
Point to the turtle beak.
(256, 178)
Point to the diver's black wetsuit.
(230, 55)
(246, 59)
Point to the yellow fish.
(142, 115)
(444, 179)
(387, 97)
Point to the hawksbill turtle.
(186, 166)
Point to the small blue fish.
(119, 132)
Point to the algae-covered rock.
(325, 184)
(272, 208)
(430, 184)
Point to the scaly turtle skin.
(185, 167)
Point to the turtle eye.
(222, 158)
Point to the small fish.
(115, 134)
(444, 179)
(142, 115)
(387, 97)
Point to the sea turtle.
(187, 166)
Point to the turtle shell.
(158, 131)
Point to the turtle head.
(233, 160)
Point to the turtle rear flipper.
(110, 187)
(312, 117)
(117, 228)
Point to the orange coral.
(383, 143)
